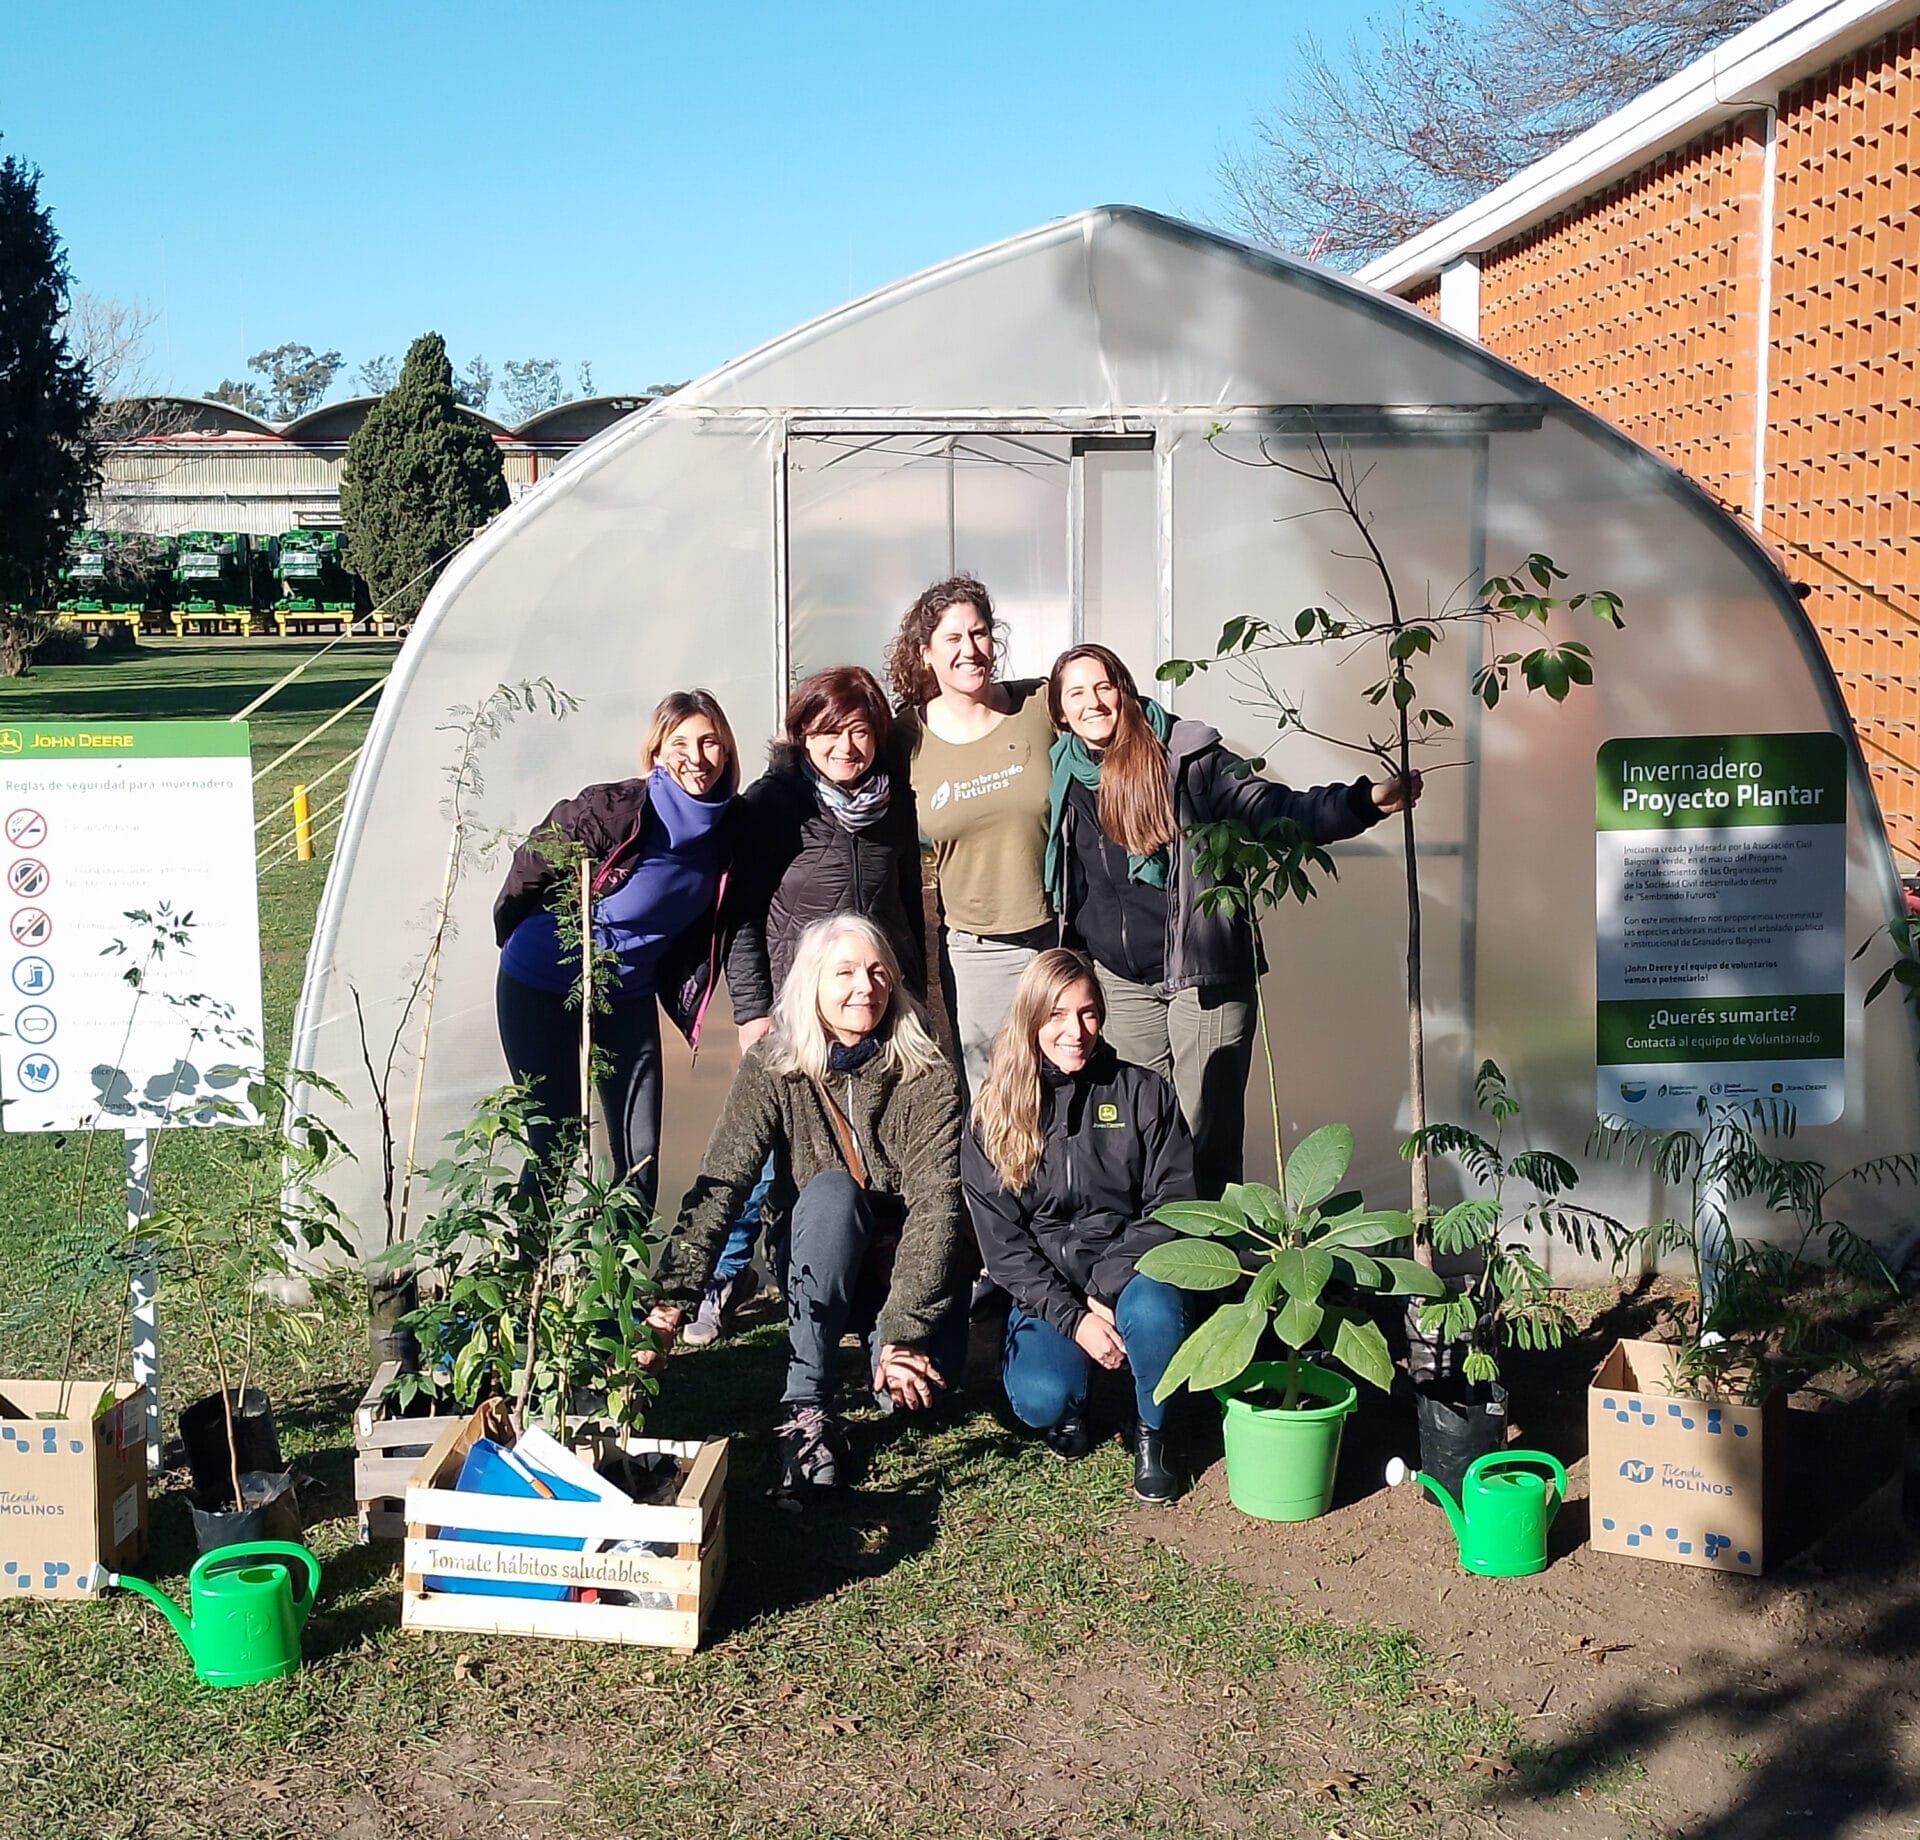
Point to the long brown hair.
(1007, 1112)
(673, 709)
(908, 672)
(1136, 790)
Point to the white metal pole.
(144, 1283)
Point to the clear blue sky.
(655, 188)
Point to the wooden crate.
(386, 1452)
(694, 1524)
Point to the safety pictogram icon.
(26, 829)
(28, 877)
(39, 1073)
(31, 926)
(36, 1025)
(32, 977)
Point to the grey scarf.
(859, 807)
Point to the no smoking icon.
(26, 829)
(28, 877)
(31, 927)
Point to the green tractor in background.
(222, 576)
(116, 583)
(317, 590)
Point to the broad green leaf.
(1359, 1346)
(1361, 1270)
(1411, 1279)
(1304, 1272)
(1298, 1322)
(1207, 1219)
(1259, 1203)
(1317, 1164)
(1191, 1264)
(1375, 1228)
(1196, 1348)
(1227, 1358)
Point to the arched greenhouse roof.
(1085, 416)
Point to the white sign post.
(132, 950)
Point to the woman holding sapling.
(827, 829)
(1130, 782)
(657, 851)
(1072, 1151)
(976, 750)
(852, 1098)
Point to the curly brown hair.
(911, 681)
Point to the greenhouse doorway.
(1062, 527)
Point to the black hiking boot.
(807, 1452)
(1070, 1440)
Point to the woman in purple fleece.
(659, 849)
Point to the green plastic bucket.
(1280, 1465)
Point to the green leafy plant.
(541, 1291)
(1398, 637)
(1292, 1244)
(1762, 1317)
(1506, 1299)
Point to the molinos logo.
(1633, 1470)
(1633, 1091)
(941, 794)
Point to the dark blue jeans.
(541, 1037)
(737, 1254)
(839, 1266)
(1047, 1373)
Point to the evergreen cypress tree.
(420, 477)
(48, 460)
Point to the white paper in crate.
(546, 1452)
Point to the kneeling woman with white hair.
(1071, 1152)
(853, 1099)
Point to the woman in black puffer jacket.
(828, 829)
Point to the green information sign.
(1721, 945)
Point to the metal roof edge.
(1746, 72)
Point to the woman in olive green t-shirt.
(977, 760)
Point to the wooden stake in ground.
(426, 1030)
(586, 1016)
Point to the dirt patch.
(1692, 1702)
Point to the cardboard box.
(1677, 1478)
(73, 1490)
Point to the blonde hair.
(673, 709)
(1007, 1112)
(801, 1040)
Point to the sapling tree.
(1398, 632)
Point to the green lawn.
(976, 1640)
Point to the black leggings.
(541, 1036)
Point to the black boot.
(1069, 1440)
(1153, 1476)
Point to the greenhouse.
(1087, 417)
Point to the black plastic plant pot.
(269, 1510)
(203, 1429)
(1457, 1425)
(390, 1297)
(1432, 1361)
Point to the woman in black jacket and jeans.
(1130, 782)
(1071, 1152)
(828, 829)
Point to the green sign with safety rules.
(1721, 952)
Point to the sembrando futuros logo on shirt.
(941, 794)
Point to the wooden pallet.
(694, 1524)
(387, 1450)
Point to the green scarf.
(1072, 761)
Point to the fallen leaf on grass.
(787, 1689)
(1340, 1784)
(465, 1667)
(1418, 1805)
(841, 1724)
(1139, 1597)
(1485, 1763)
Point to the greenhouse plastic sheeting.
(1076, 414)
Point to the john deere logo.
(1636, 1471)
(11, 741)
(1106, 1116)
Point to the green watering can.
(1504, 1510)
(246, 1620)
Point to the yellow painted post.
(302, 825)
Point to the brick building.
(1728, 269)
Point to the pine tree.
(48, 460)
(420, 478)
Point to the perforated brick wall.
(1426, 297)
(1845, 399)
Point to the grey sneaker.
(720, 1307)
(806, 1451)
